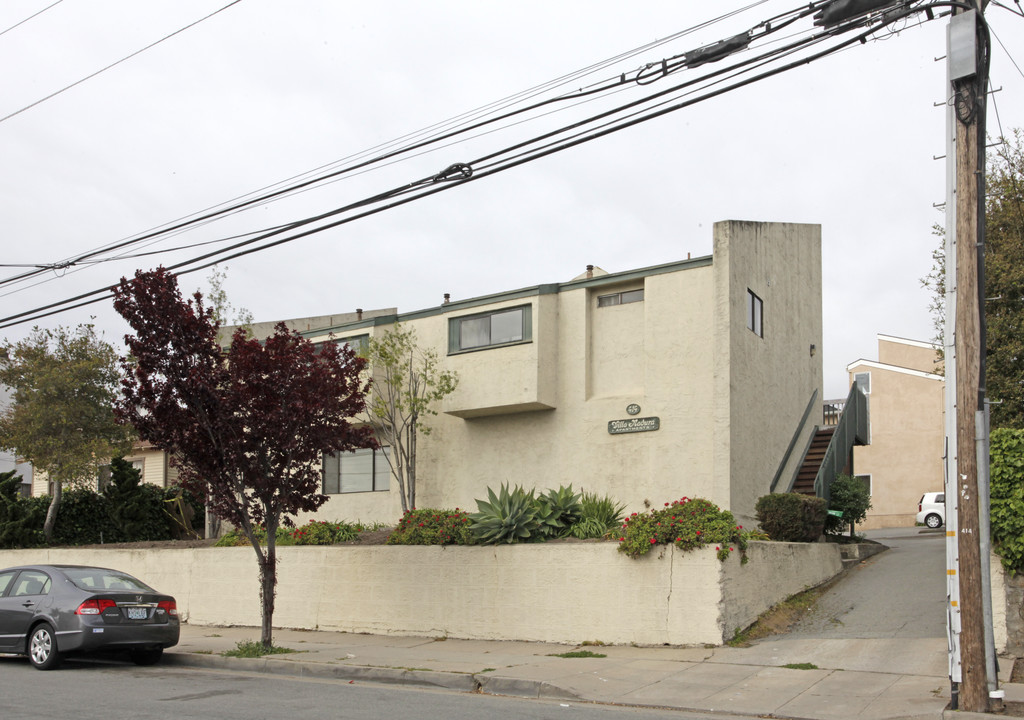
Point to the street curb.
(497, 685)
(461, 682)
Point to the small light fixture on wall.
(813, 349)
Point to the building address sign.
(633, 425)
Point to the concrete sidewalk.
(868, 679)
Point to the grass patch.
(255, 649)
(801, 666)
(488, 670)
(578, 654)
(779, 618)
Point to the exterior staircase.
(812, 461)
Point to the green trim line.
(528, 292)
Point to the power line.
(389, 151)
(113, 64)
(434, 184)
(22, 22)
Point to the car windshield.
(100, 579)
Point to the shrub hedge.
(791, 517)
(1006, 463)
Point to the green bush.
(598, 516)
(431, 526)
(322, 532)
(135, 510)
(83, 520)
(1006, 463)
(791, 517)
(508, 517)
(850, 496)
(21, 520)
(686, 523)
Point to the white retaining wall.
(558, 592)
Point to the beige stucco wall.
(763, 384)
(904, 458)
(536, 413)
(912, 354)
(554, 593)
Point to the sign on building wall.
(633, 425)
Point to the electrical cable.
(402, 150)
(22, 22)
(113, 64)
(394, 196)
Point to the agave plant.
(558, 511)
(508, 517)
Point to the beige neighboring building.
(148, 460)
(684, 379)
(906, 394)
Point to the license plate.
(136, 613)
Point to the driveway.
(885, 615)
(900, 593)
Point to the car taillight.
(168, 606)
(920, 508)
(95, 606)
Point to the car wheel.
(42, 648)
(933, 521)
(147, 657)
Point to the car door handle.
(28, 603)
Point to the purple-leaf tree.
(247, 427)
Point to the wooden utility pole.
(969, 109)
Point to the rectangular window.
(502, 327)
(629, 296)
(755, 313)
(363, 470)
(359, 343)
(865, 480)
(863, 381)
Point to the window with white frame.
(364, 470)
(864, 480)
(501, 327)
(755, 313)
(620, 298)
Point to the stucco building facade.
(906, 393)
(688, 378)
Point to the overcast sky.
(265, 91)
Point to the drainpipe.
(981, 432)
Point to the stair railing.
(801, 429)
(851, 430)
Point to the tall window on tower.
(755, 313)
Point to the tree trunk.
(51, 512)
(268, 587)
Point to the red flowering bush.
(431, 526)
(686, 523)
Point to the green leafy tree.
(850, 496)
(65, 383)
(131, 505)
(407, 381)
(1004, 282)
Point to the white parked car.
(931, 510)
